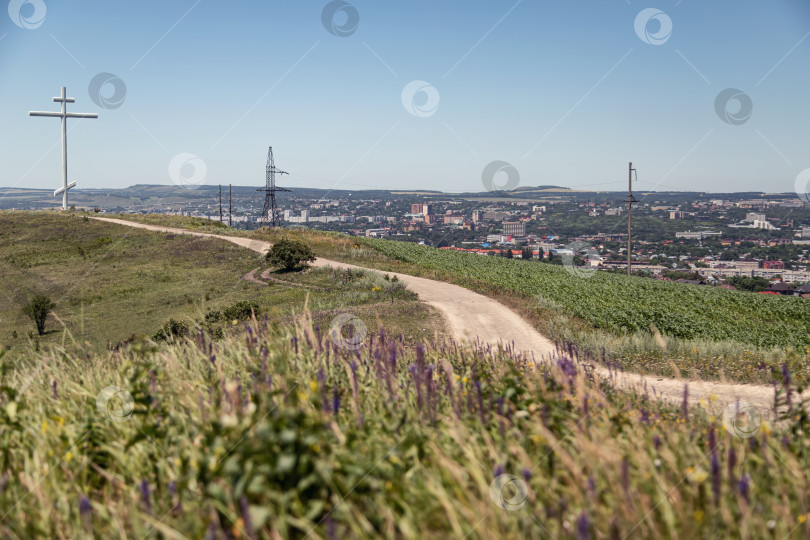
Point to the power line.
(270, 212)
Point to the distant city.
(757, 241)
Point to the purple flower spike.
(583, 526)
(145, 496)
(744, 486)
(85, 507)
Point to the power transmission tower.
(270, 211)
(230, 207)
(220, 203)
(630, 201)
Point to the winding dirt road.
(471, 316)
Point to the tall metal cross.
(64, 115)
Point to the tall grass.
(280, 433)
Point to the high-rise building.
(477, 215)
(427, 209)
(514, 228)
(416, 208)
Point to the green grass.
(747, 337)
(112, 282)
(707, 333)
(275, 432)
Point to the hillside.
(111, 283)
(281, 433)
(639, 324)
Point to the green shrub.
(290, 254)
(240, 310)
(172, 329)
(38, 309)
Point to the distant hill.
(150, 195)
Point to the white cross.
(64, 115)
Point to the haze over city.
(566, 92)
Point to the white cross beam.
(64, 115)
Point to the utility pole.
(220, 203)
(230, 207)
(269, 211)
(630, 201)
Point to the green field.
(112, 282)
(620, 304)
(703, 332)
(280, 433)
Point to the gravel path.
(471, 316)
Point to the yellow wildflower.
(44, 428)
(68, 457)
(313, 385)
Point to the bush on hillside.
(38, 309)
(172, 329)
(240, 310)
(290, 254)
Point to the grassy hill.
(110, 282)
(637, 323)
(282, 433)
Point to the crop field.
(624, 305)
(287, 433)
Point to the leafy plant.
(38, 309)
(290, 254)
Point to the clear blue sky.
(566, 91)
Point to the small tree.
(38, 308)
(290, 254)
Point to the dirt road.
(471, 316)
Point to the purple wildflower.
(85, 507)
(335, 401)
(583, 526)
(527, 474)
(744, 486)
(145, 496)
(499, 470)
(55, 393)
(715, 469)
(712, 439)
